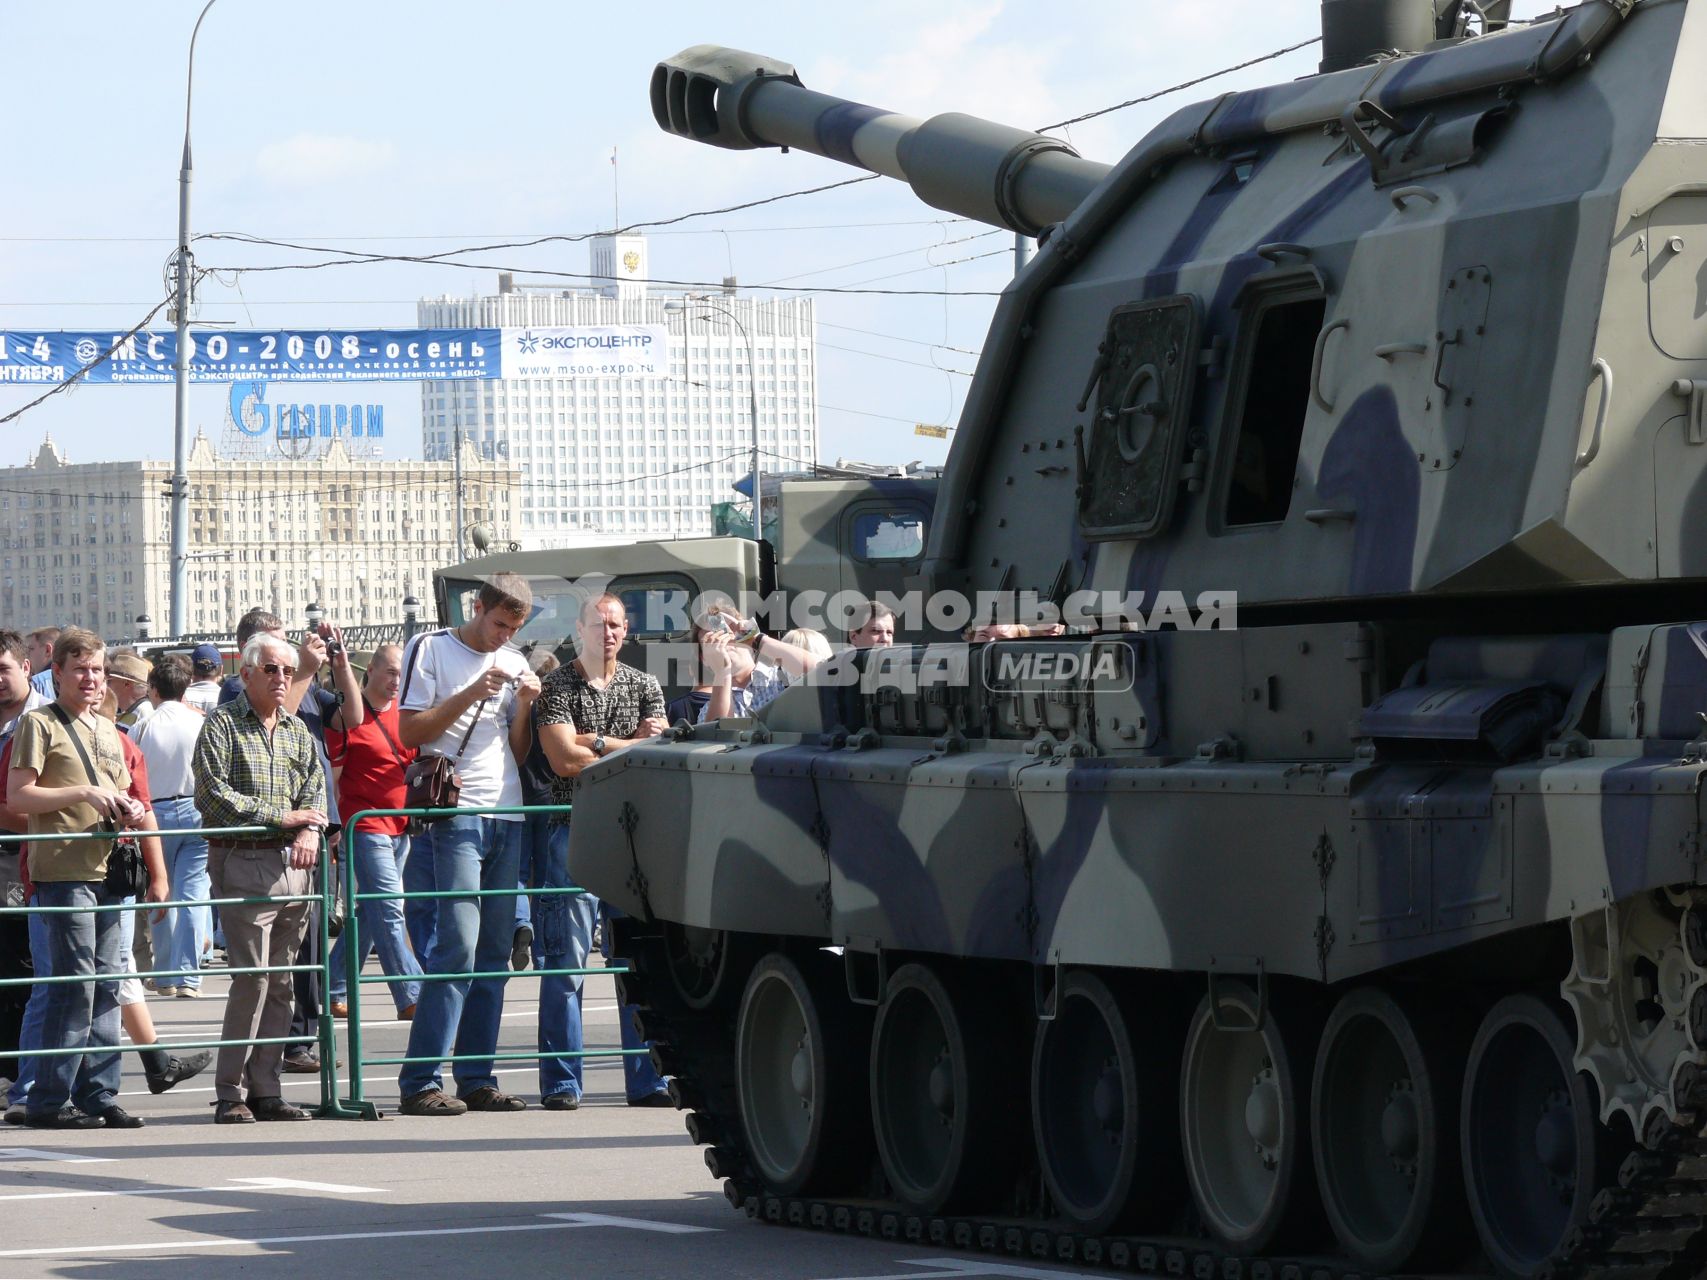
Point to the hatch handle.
(1280, 249)
(1603, 372)
(1404, 195)
(1322, 402)
(1393, 350)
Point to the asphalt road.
(606, 1191)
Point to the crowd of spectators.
(94, 740)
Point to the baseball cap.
(127, 666)
(206, 655)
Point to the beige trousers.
(259, 1005)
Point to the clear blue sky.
(423, 126)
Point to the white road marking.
(245, 1184)
(297, 1184)
(633, 1224)
(333, 1238)
(36, 1153)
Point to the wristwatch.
(599, 745)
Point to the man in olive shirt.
(68, 776)
(255, 765)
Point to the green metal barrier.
(330, 1106)
(355, 979)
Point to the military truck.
(1369, 936)
(864, 536)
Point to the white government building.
(594, 451)
(88, 544)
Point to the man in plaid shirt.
(255, 765)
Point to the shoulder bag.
(127, 874)
(431, 782)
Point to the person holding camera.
(68, 776)
(462, 688)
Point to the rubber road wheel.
(1534, 1152)
(1384, 1131)
(1105, 1110)
(800, 1051)
(1244, 1121)
(942, 1100)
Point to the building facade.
(623, 458)
(89, 544)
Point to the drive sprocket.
(1638, 987)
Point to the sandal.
(487, 1098)
(432, 1102)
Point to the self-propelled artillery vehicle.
(1367, 936)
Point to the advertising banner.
(587, 351)
(335, 355)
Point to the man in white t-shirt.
(461, 689)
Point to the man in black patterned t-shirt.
(593, 706)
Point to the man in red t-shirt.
(368, 764)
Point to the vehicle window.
(1271, 414)
(657, 607)
(888, 535)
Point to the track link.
(1651, 1225)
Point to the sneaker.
(561, 1101)
(15, 1113)
(521, 950)
(178, 1070)
(116, 1117)
(276, 1109)
(660, 1098)
(432, 1102)
(302, 1064)
(486, 1098)
(189, 993)
(167, 992)
(232, 1113)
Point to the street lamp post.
(673, 305)
(411, 616)
(181, 366)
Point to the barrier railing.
(330, 1106)
(355, 979)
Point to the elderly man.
(68, 776)
(127, 677)
(255, 765)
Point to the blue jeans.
(563, 939)
(421, 917)
(378, 861)
(181, 936)
(474, 934)
(639, 1076)
(536, 843)
(80, 1014)
(29, 1035)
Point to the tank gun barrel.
(958, 163)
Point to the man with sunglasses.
(255, 765)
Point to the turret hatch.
(1143, 380)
